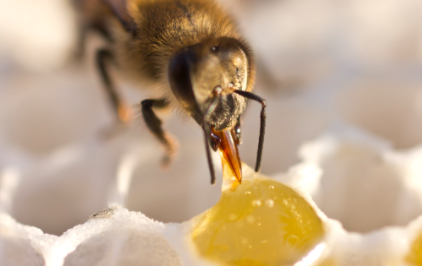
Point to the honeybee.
(193, 54)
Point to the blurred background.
(320, 63)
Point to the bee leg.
(80, 42)
(121, 110)
(214, 141)
(263, 103)
(155, 126)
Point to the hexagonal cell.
(181, 191)
(293, 52)
(40, 113)
(18, 252)
(388, 108)
(290, 122)
(57, 194)
(366, 187)
(395, 25)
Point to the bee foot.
(166, 162)
(111, 131)
(171, 149)
(125, 114)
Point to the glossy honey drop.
(257, 222)
(328, 262)
(414, 257)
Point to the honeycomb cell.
(258, 222)
(16, 252)
(386, 107)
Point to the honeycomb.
(344, 137)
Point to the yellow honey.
(257, 222)
(414, 258)
(328, 262)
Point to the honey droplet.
(414, 257)
(266, 230)
(256, 203)
(269, 203)
(328, 262)
(250, 219)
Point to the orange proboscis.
(229, 152)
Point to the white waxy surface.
(343, 88)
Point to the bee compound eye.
(214, 49)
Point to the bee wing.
(120, 10)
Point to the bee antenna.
(254, 97)
(207, 132)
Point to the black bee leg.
(210, 138)
(121, 110)
(155, 126)
(80, 42)
(254, 97)
(214, 141)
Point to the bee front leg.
(121, 110)
(155, 126)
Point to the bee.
(194, 57)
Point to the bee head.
(213, 68)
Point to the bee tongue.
(229, 154)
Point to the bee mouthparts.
(229, 153)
